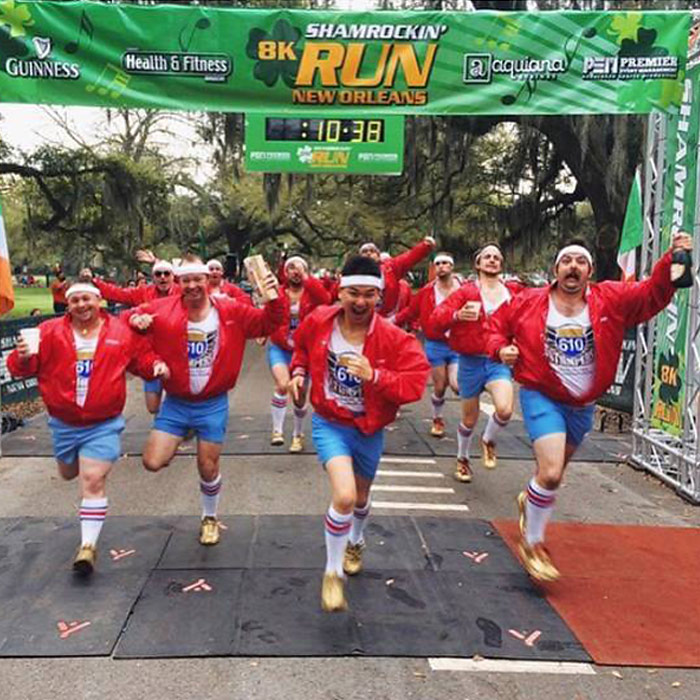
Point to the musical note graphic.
(529, 86)
(201, 23)
(112, 81)
(87, 28)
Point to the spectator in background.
(58, 291)
(35, 312)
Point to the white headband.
(296, 259)
(573, 250)
(215, 264)
(486, 247)
(162, 266)
(191, 269)
(443, 258)
(362, 281)
(81, 288)
(368, 246)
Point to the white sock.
(493, 427)
(359, 520)
(210, 491)
(538, 510)
(278, 408)
(337, 533)
(92, 516)
(299, 415)
(464, 440)
(438, 404)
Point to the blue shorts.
(207, 418)
(335, 440)
(544, 416)
(97, 441)
(277, 356)
(155, 386)
(476, 371)
(439, 353)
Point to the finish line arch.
(203, 58)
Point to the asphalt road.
(285, 484)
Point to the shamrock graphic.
(669, 393)
(269, 70)
(17, 18)
(625, 25)
(644, 46)
(304, 154)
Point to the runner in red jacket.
(218, 285)
(394, 269)
(302, 294)
(362, 369)
(442, 358)
(81, 367)
(163, 286)
(564, 342)
(465, 315)
(202, 339)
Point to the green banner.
(225, 59)
(680, 188)
(316, 144)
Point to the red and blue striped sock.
(92, 516)
(359, 520)
(538, 510)
(210, 491)
(337, 527)
(278, 408)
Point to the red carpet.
(631, 594)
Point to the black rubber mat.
(426, 590)
(184, 613)
(47, 611)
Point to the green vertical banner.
(680, 187)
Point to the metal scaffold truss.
(672, 458)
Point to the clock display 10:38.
(325, 130)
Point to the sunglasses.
(162, 273)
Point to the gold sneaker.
(209, 532)
(489, 454)
(297, 444)
(84, 562)
(537, 561)
(333, 593)
(521, 500)
(352, 561)
(277, 439)
(438, 428)
(463, 472)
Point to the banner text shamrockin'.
(332, 72)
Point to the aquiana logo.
(481, 67)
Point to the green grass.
(27, 299)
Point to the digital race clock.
(313, 143)
(325, 130)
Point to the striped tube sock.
(209, 493)
(359, 520)
(278, 407)
(92, 516)
(464, 440)
(299, 415)
(337, 532)
(438, 404)
(493, 427)
(538, 509)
